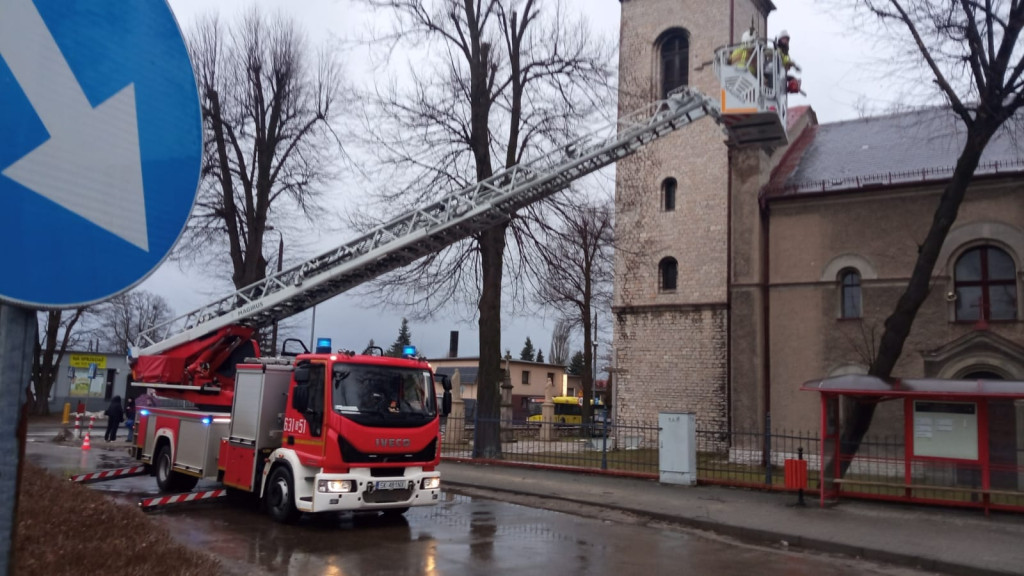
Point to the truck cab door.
(304, 419)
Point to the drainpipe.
(732, 21)
(766, 363)
(728, 295)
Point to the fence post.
(767, 452)
(800, 493)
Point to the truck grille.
(386, 496)
(353, 456)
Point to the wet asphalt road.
(461, 536)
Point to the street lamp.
(280, 262)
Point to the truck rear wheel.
(166, 478)
(280, 497)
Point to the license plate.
(391, 485)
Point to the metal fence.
(622, 448)
(631, 448)
(753, 459)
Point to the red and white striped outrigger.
(112, 474)
(179, 498)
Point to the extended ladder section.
(424, 231)
(429, 229)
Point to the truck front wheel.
(280, 497)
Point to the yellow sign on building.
(83, 361)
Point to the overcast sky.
(835, 78)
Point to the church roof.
(883, 151)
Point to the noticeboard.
(946, 429)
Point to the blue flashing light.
(144, 412)
(207, 420)
(409, 351)
(323, 345)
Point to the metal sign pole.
(17, 336)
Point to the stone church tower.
(673, 225)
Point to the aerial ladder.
(192, 357)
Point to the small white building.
(93, 378)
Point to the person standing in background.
(129, 418)
(115, 414)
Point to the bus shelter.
(960, 442)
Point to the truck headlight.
(431, 483)
(334, 486)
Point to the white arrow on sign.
(91, 163)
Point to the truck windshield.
(383, 391)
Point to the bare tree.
(575, 270)
(558, 352)
(268, 107)
(975, 57)
(499, 82)
(119, 320)
(57, 336)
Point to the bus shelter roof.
(864, 385)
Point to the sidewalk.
(934, 539)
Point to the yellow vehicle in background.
(568, 410)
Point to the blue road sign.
(100, 146)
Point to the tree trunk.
(858, 415)
(487, 439)
(48, 351)
(588, 368)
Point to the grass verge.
(65, 529)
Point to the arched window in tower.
(668, 272)
(675, 60)
(849, 286)
(668, 194)
(986, 282)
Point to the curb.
(762, 537)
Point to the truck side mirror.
(446, 382)
(446, 402)
(300, 398)
(293, 347)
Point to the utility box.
(677, 448)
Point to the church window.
(668, 194)
(986, 283)
(675, 61)
(668, 272)
(849, 282)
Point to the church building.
(741, 273)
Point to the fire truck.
(332, 430)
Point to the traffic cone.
(86, 445)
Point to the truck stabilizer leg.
(114, 474)
(157, 501)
